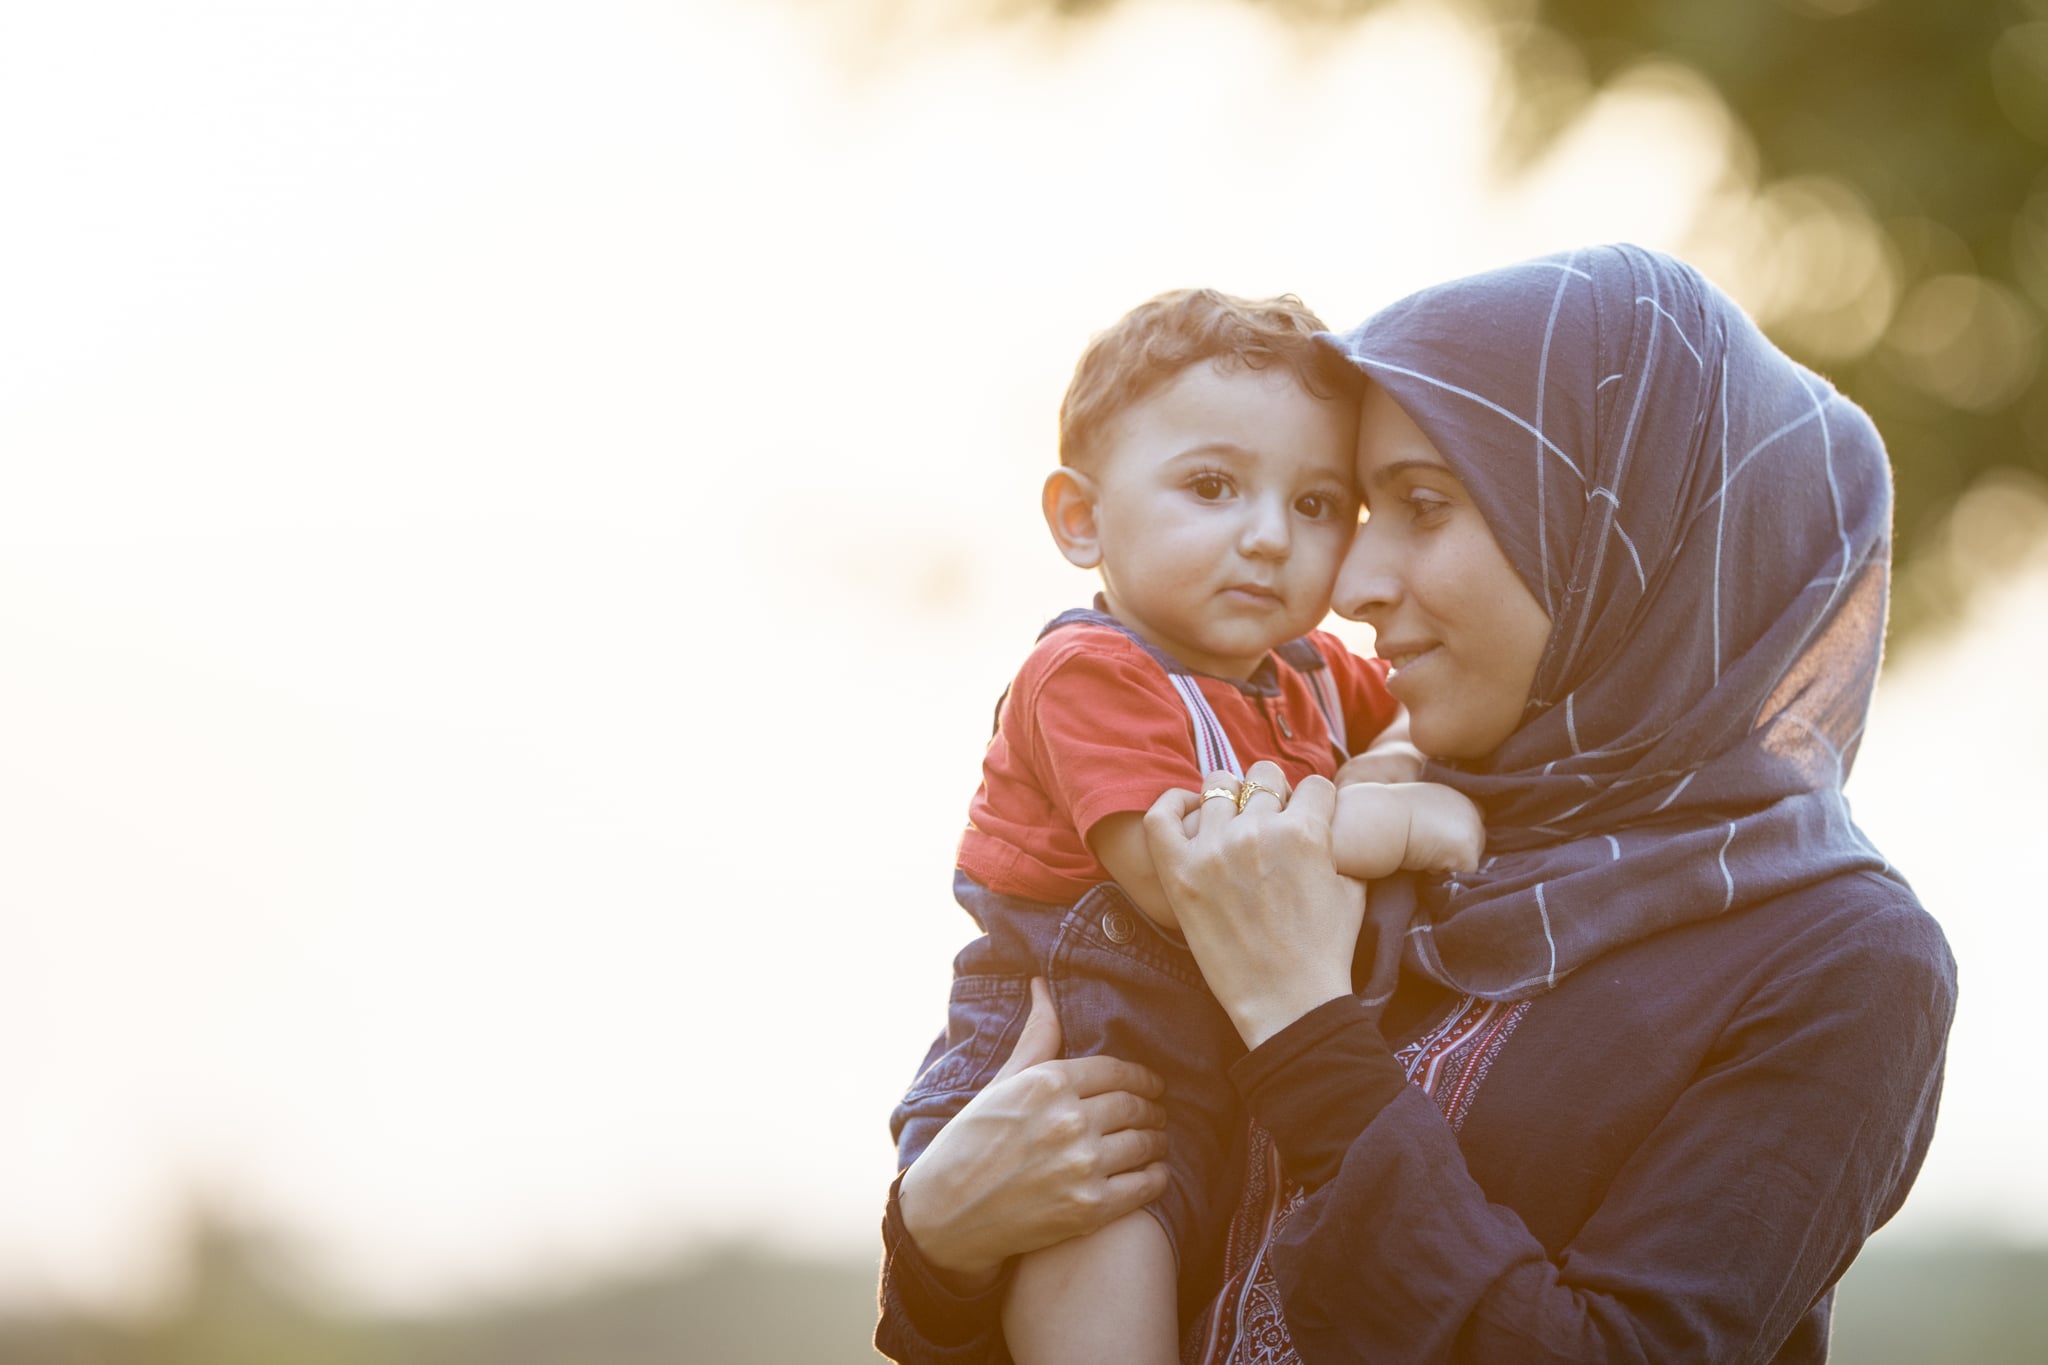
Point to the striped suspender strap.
(1324, 687)
(1212, 746)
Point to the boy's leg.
(1108, 1296)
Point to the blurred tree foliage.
(1933, 115)
(1899, 150)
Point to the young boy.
(1206, 448)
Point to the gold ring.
(1225, 793)
(1244, 793)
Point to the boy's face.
(1223, 504)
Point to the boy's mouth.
(1252, 592)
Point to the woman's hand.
(1050, 1149)
(1270, 919)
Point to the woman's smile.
(1401, 657)
(1460, 627)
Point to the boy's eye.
(1317, 506)
(1209, 487)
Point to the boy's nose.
(1267, 528)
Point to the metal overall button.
(1119, 927)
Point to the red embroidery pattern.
(1243, 1324)
(1450, 1060)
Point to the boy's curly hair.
(1159, 338)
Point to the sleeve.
(1747, 1201)
(922, 1321)
(1361, 690)
(1108, 731)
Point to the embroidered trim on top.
(1450, 1060)
(1244, 1324)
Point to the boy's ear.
(1069, 504)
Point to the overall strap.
(1212, 746)
(1315, 671)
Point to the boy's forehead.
(1254, 415)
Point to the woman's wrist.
(1259, 1018)
(959, 1268)
(1317, 1084)
(924, 1312)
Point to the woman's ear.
(1069, 504)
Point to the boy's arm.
(1108, 734)
(1390, 757)
(1118, 843)
(1382, 828)
(1378, 829)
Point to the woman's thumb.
(1039, 1041)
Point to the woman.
(1640, 1088)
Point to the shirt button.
(1118, 927)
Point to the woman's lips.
(1405, 653)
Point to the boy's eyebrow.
(1217, 448)
(1232, 450)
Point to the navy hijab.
(1708, 525)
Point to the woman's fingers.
(1216, 812)
(1100, 1075)
(1120, 1109)
(1176, 815)
(1128, 1149)
(1265, 787)
(1133, 1190)
(1315, 800)
(1039, 1040)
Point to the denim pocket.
(1106, 935)
(983, 1018)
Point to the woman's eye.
(1209, 487)
(1427, 508)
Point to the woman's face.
(1447, 609)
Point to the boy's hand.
(1445, 831)
(1388, 763)
(1389, 758)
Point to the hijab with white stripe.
(1708, 525)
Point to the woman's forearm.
(926, 1318)
(1718, 1233)
(1051, 1148)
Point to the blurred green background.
(1959, 1305)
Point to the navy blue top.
(1673, 1156)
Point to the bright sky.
(517, 516)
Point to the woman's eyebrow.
(1387, 473)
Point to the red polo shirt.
(1091, 727)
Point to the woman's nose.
(1367, 583)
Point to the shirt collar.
(1264, 681)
